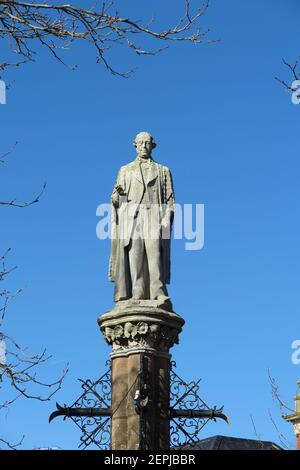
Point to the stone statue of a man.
(142, 216)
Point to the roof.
(232, 443)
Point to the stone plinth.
(141, 334)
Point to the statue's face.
(144, 145)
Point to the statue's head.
(144, 144)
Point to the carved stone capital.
(140, 326)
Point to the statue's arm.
(169, 197)
(170, 191)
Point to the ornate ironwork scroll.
(188, 412)
(91, 412)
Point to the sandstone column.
(141, 335)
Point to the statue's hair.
(148, 135)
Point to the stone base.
(140, 324)
(163, 303)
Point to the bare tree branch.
(56, 27)
(2, 157)
(283, 407)
(22, 379)
(5, 295)
(19, 369)
(9, 445)
(14, 202)
(294, 72)
(286, 444)
(22, 205)
(258, 436)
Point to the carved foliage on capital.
(141, 334)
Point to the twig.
(283, 407)
(11, 446)
(22, 205)
(283, 440)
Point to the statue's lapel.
(137, 172)
(153, 172)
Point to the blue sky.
(229, 133)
